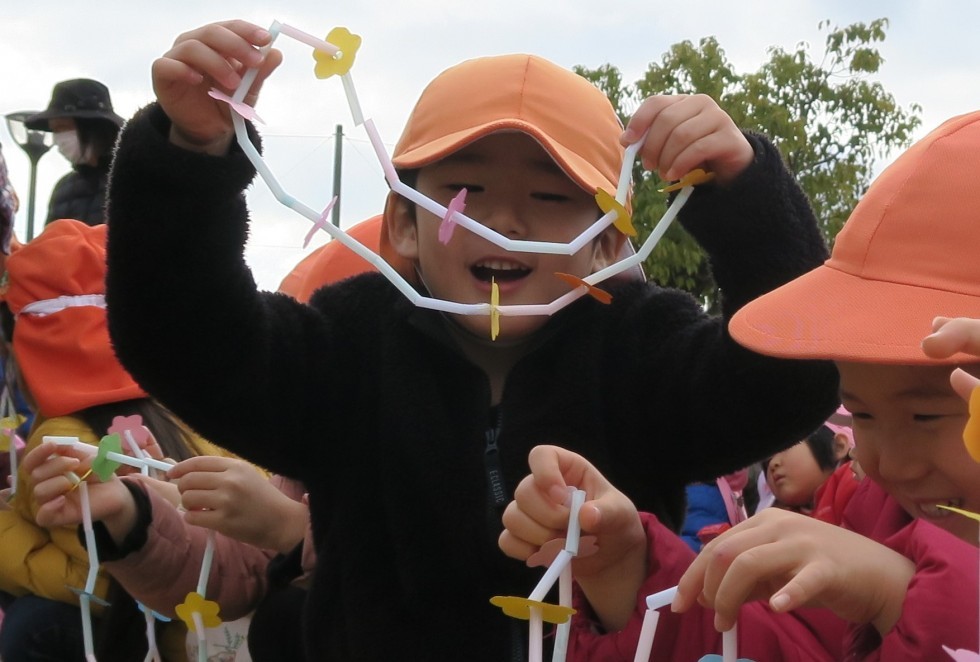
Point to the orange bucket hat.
(56, 288)
(569, 116)
(908, 253)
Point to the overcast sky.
(931, 58)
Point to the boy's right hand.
(611, 577)
(215, 55)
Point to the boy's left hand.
(685, 132)
(793, 561)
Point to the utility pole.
(338, 148)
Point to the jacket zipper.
(497, 499)
(496, 491)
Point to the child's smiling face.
(515, 188)
(908, 434)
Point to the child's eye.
(861, 416)
(470, 188)
(550, 197)
(925, 418)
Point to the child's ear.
(607, 249)
(842, 446)
(399, 219)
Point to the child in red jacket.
(898, 579)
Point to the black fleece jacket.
(363, 397)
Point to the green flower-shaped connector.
(102, 465)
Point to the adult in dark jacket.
(85, 129)
(388, 412)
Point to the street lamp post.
(36, 144)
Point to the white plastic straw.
(136, 462)
(729, 645)
(647, 632)
(472, 225)
(84, 600)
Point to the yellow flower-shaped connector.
(195, 603)
(494, 310)
(328, 65)
(517, 607)
(693, 178)
(624, 220)
(971, 433)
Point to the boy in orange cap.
(901, 575)
(409, 427)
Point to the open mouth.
(499, 271)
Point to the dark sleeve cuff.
(134, 540)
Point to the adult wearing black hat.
(85, 128)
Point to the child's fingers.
(51, 514)
(645, 116)
(239, 40)
(749, 575)
(516, 547)
(963, 383)
(51, 488)
(531, 505)
(205, 61)
(206, 499)
(705, 573)
(951, 336)
(546, 463)
(199, 464)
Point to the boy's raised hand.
(793, 560)
(612, 575)
(215, 55)
(950, 336)
(685, 132)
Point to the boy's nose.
(506, 220)
(902, 462)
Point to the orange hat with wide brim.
(569, 116)
(61, 341)
(909, 252)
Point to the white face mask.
(67, 143)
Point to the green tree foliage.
(829, 119)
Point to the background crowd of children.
(416, 465)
